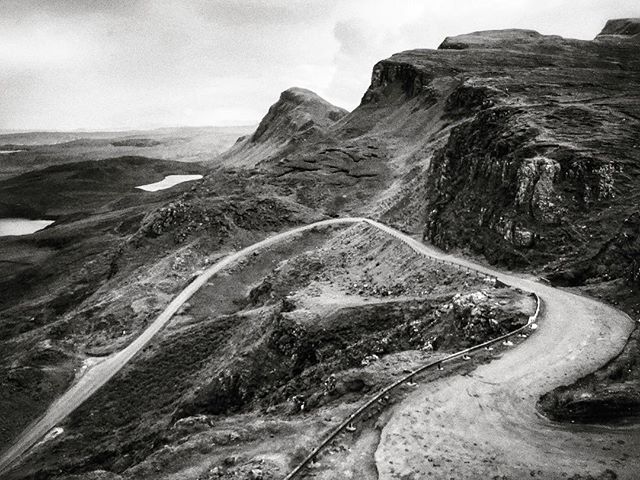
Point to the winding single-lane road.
(489, 416)
(485, 425)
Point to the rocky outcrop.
(541, 139)
(399, 79)
(620, 256)
(478, 192)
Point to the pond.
(168, 182)
(21, 226)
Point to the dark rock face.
(543, 139)
(620, 256)
(478, 179)
(402, 80)
(617, 258)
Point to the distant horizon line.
(9, 131)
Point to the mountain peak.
(297, 109)
(300, 95)
(298, 114)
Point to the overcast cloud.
(69, 64)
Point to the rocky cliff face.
(524, 148)
(542, 156)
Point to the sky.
(121, 64)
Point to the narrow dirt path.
(485, 425)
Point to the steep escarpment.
(539, 162)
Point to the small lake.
(168, 182)
(21, 226)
